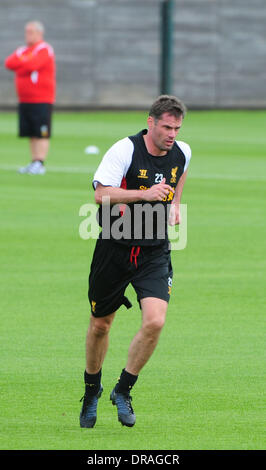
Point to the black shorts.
(115, 265)
(35, 119)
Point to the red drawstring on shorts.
(134, 254)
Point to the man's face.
(32, 35)
(164, 130)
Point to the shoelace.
(124, 402)
(87, 401)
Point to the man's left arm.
(174, 215)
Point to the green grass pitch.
(204, 386)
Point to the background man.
(147, 170)
(34, 67)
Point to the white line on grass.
(55, 169)
(88, 170)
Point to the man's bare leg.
(39, 148)
(145, 341)
(97, 342)
(96, 348)
(140, 350)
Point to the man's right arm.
(14, 61)
(25, 63)
(157, 192)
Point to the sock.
(92, 382)
(40, 161)
(126, 382)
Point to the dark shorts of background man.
(35, 120)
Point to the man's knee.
(100, 326)
(153, 322)
(154, 315)
(154, 325)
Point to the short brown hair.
(167, 104)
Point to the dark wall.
(108, 51)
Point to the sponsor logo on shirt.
(142, 174)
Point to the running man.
(141, 174)
(34, 67)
